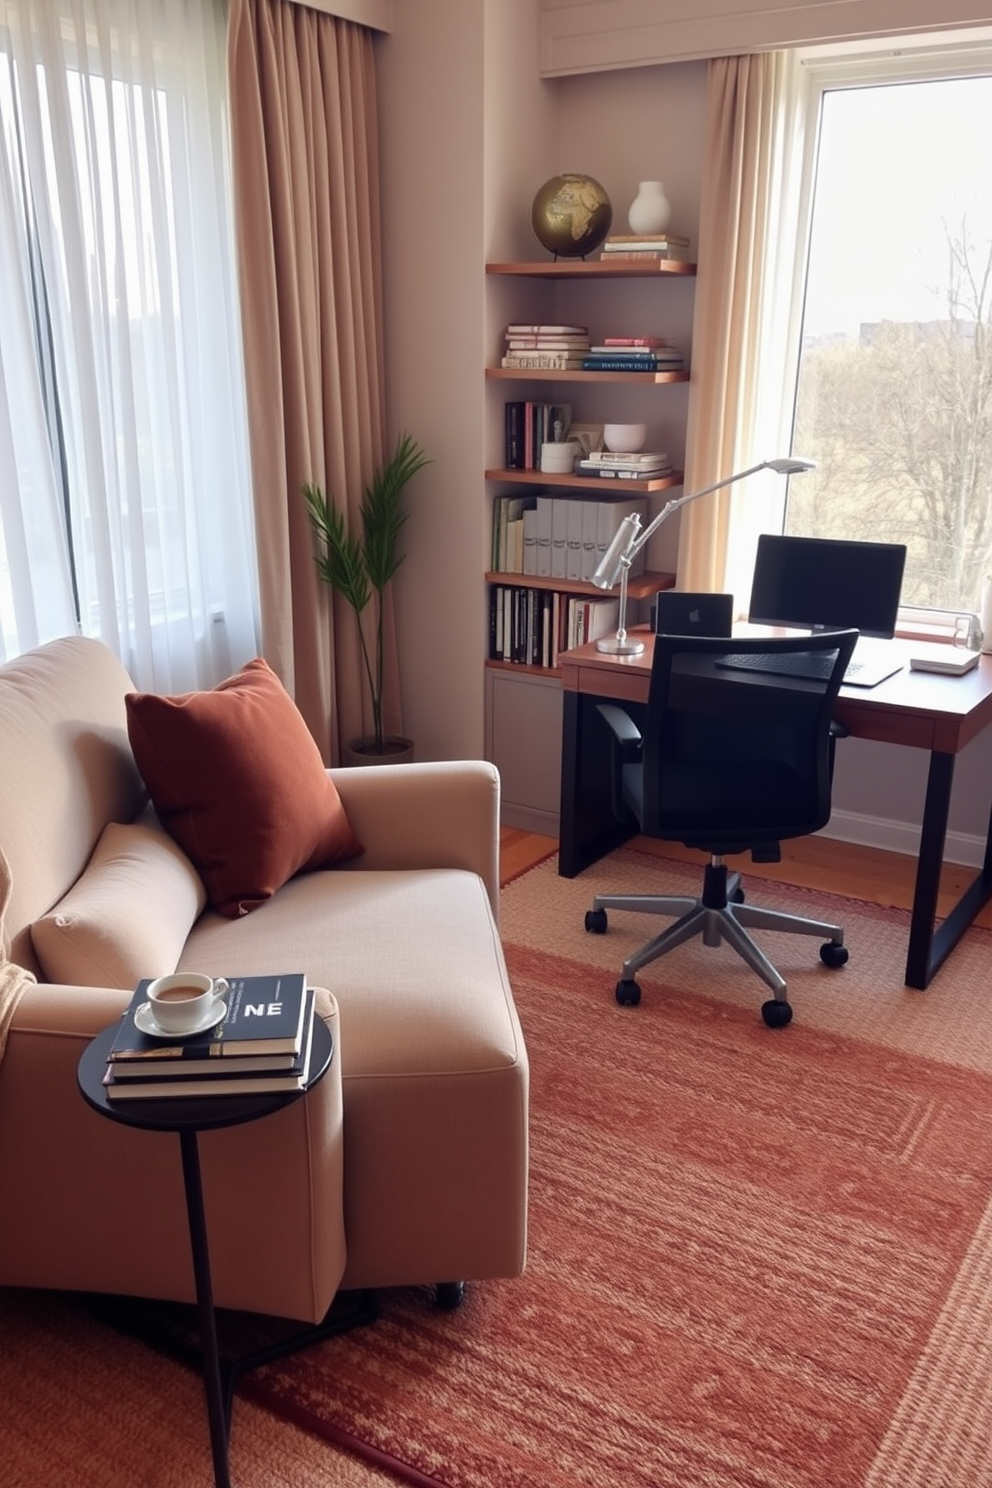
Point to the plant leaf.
(383, 513)
(339, 558)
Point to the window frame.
(830, 68)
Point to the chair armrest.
(625, 749)
(623, 728)
(443, 814)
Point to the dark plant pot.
(396, 751)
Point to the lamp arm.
(678, 501)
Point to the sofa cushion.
(127, 916)
(236, 776)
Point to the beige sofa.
(406, 1164)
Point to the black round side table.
(188, 1116)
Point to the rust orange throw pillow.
(237, 779)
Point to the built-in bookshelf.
(523, 701)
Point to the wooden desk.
(920, 709)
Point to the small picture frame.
(589, 438)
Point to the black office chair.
(736, 754)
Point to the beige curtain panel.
(306, 183)
(749, 159)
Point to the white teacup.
(179, 1002)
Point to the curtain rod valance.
(376, 14)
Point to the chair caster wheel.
(628, 994)
(738, 896)
(833, 955)
(596, 921)
(776, 1014)
(449, 1294)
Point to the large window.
(894, 388)
(125, 508)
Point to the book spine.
(546, 330)
(619, 364)
(625, 253)
(647, 341)
(541, 361)
(515, 435)
(656, 237)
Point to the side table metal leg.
(212, 1382)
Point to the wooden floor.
(811, 862)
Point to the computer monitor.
(824, 583)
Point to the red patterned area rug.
(757, 1259)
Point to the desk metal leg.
(930, 944)
(217, 1411)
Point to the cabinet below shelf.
(608, 489)
(639, 586)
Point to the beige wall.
(466, 123)
(469, 131)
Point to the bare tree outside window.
(896, 406)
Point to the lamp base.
(614, 646)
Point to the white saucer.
(144, 1020)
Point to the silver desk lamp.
(628, 540)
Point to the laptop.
(678, 612)
(820, 583)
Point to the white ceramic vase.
(650, 211)
(986, 615)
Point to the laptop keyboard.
(788, 664)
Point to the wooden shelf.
(639, 586)
(596, 268)
(540, 374)
(608, 489)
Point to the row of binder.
(558, 537)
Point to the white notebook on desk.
(950, 661)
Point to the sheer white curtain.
(125, 508)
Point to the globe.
(571, 215)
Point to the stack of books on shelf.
(542, 348)
(621, 246)
(559, 537)
(633, 354)
(528, 425)
(531, 627)
(259, 1045)
(645, 465)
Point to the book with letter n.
(159, 1079)
(265, 1016)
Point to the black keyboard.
(816, 668)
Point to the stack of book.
(260, 1044)
(528, 425)
(532, 627)
(645, 465)
(620, 246)
(542, 348)
(633, 354)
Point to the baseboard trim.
(900, 837)
(529, 819)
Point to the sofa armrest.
(443, 814)
(94, 1205)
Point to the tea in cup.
(180, 1002)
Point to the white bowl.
(624, 439)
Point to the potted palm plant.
(359, 567)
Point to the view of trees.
(900, 425)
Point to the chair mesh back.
(734, 756)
